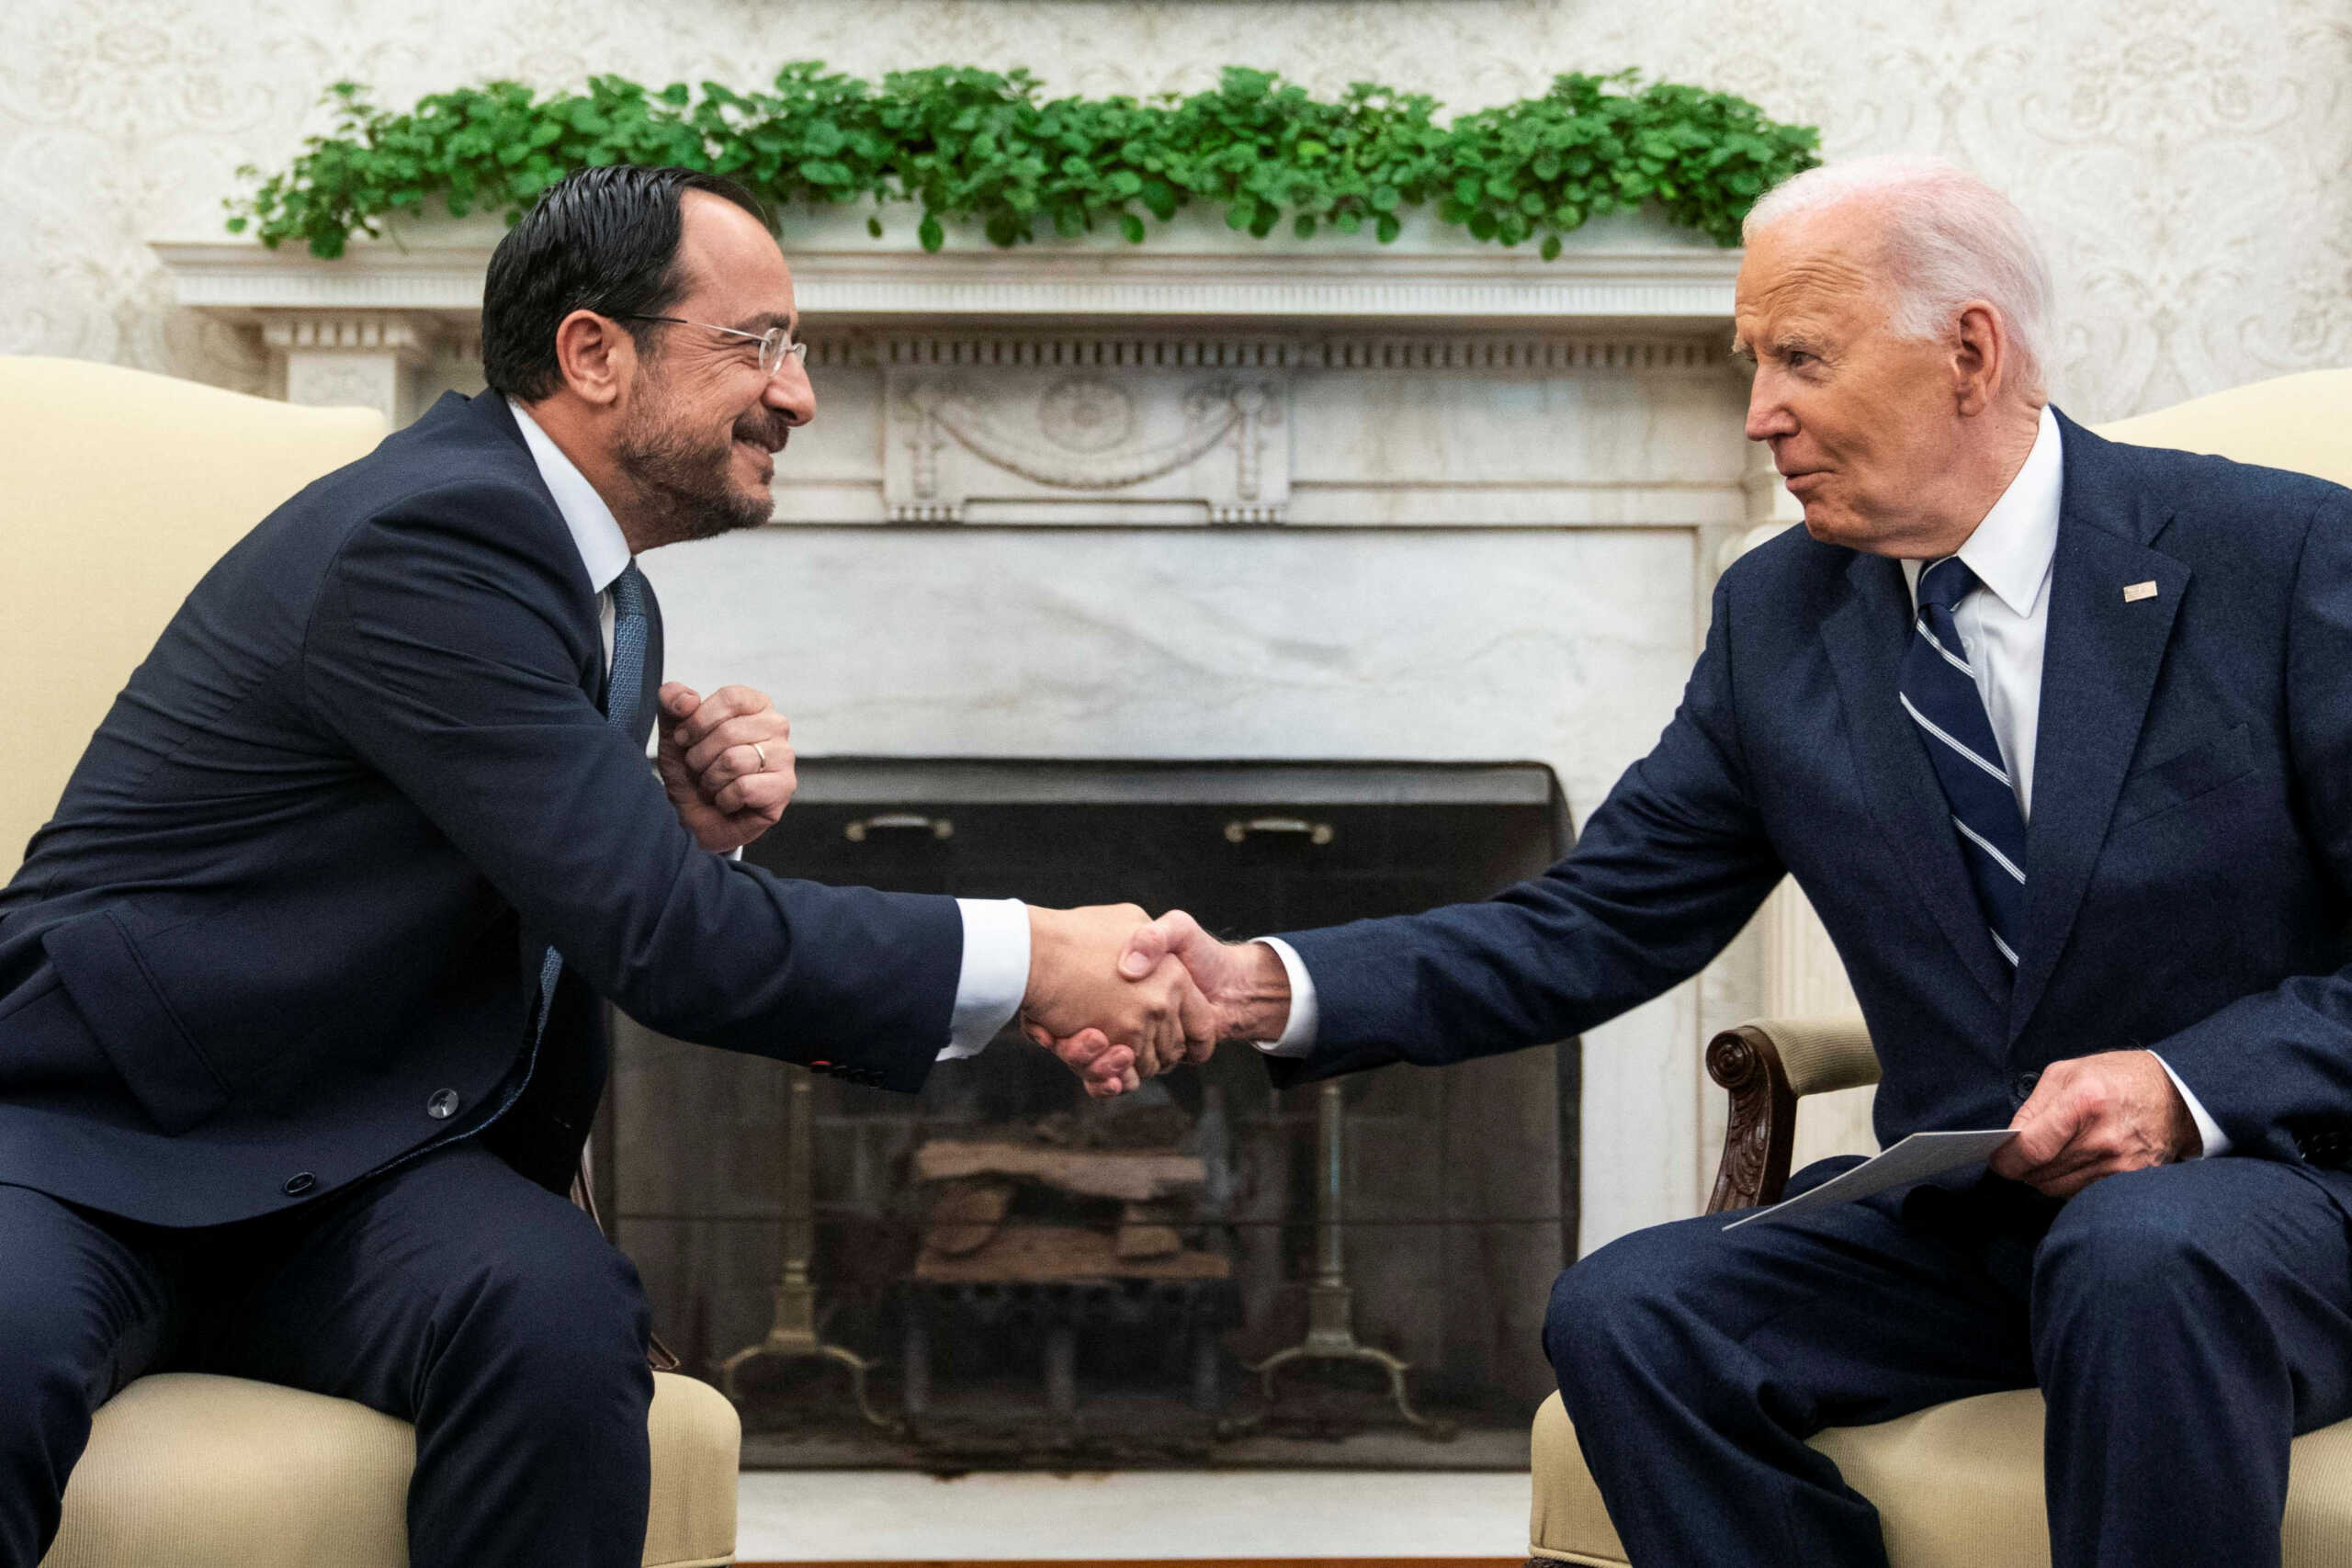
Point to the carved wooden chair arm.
(1766, 1064)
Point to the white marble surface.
(859, 1516)
(1562, 646)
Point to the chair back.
(121, 489)
(2301, 421)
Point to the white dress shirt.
(2003, 630)
(995, 970)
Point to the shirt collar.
(604, 548)
(2011, 550)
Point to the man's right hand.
(1243, 987)
(1109, 1020)
(1244, 983)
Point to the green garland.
(977, 145)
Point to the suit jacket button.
(301, 1181)
(442, 1105)
(2025, 1086)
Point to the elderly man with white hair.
(2057, 736)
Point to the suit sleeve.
(1666, 872)
(444, 652)
(2276, 1067)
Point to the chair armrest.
(1766, 1064)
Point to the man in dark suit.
(299, 1033)
(2057, 736)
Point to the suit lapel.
(1866, 636)
(2099, 671)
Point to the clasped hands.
(1121, 997)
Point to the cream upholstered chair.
(1959, 1485)
(120, 489)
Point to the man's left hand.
(726, 762)
(2095, 1116)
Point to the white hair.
(1949, 237)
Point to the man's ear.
(1980, 361)
(595, 357)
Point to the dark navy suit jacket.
(2190, 860)
(300, 881)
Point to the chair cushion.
(1957, 1486)
(188, 1471)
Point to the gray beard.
(680, 485)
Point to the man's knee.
(59, 1360)
(563, 1317)
(1608, 1307)
(2141, 1246)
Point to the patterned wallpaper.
(2185, 158)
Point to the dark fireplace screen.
(1000, 1271)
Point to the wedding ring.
(761, 755)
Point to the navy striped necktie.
(624, 710)
(1938, 689)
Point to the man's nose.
(791, 393)
(1767, 412)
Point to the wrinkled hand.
(2095, 1116)
(726, 762)
(1111, 1029)
(1243, 986)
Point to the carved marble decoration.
(1047, 446)
(365, 358)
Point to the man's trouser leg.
(457, 1294)
(83, 1311)
(2188, 1322)
(1695, 1361)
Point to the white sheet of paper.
(1915, 1158)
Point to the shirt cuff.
(2216, 1140)
(1298, 1033)
(995, 974)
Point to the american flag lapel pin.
(2135, 592)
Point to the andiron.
(1331, 1303)
(794, 1335)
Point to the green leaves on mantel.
(979, 146)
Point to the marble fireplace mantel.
(367, 327)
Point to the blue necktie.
(1938, 688)
(625, 702)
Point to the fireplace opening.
(999, 1271)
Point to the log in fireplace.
(1038, 1278)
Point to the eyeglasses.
(777, 344)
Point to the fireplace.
(1045, 1278)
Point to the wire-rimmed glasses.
(777, 344)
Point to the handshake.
(1120, 996)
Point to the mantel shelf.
(1628, 270)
